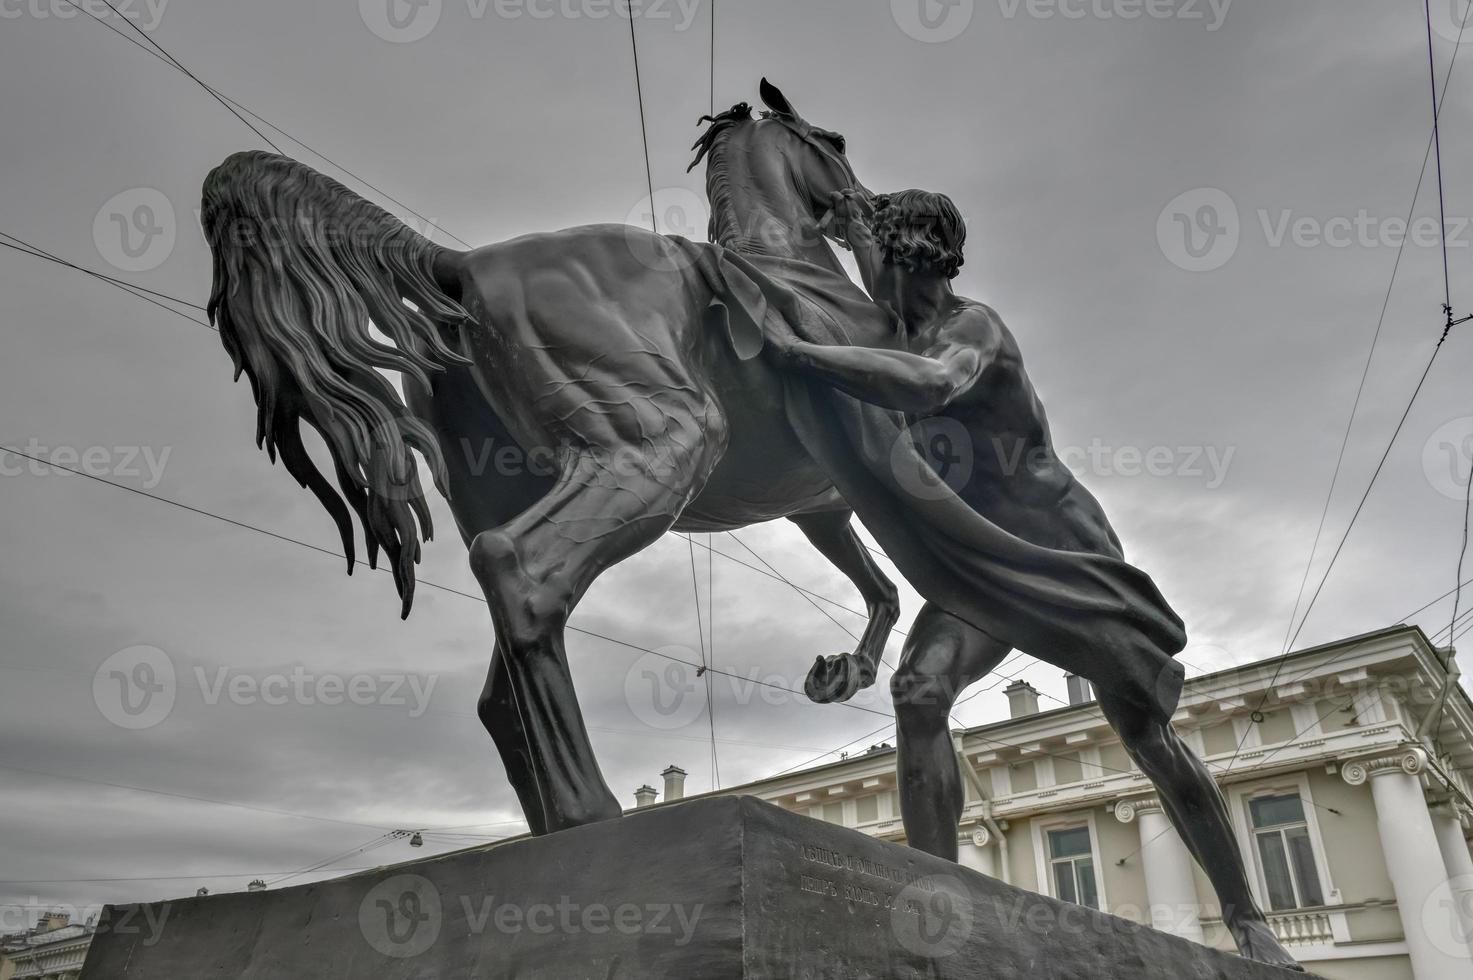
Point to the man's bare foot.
(1256, 941)
(837, 678)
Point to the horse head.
(771, 178)
(818, 158)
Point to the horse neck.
(755, 214)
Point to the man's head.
(920, 231)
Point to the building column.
(1170, 885)
(1424, 899)
(972, 851)
(1447, 821)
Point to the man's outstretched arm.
(919, 384)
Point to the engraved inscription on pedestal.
(857, 879)
(930, 915)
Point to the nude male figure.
(961, 363)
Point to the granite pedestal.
(719, 889)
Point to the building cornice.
(1326, 750)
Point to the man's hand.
(848, 218)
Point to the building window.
(1285, 853)
(1071, 858)
(834, 813)
(867, 809)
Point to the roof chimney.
(674, 783)
(52, 921)
(1022, 698)
(645, 796)
(256, 886)
(1080, 690)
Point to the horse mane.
(725, 225)
(302, 267)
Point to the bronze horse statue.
(610, 348)
(629, 359)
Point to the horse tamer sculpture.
(656, 374)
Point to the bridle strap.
(804, 131)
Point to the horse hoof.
(834, 679)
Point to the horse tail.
(302, 267)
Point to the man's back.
(1016, 479)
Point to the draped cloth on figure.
(1091, 614)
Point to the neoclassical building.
(1346, 768)
(54, 950)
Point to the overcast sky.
(1188, 216)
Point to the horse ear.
(775, 100)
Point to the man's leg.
(942, 656)
(1194, 803)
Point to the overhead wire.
(167, 60)
(1433, 144)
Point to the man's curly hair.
(920, 230)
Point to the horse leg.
(483, 495)
(501, 716)
(841, 676)
(942, 656)
(536, 568)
